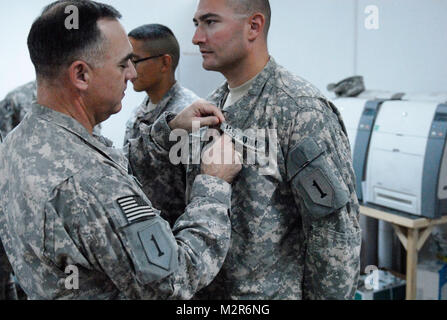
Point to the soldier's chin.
(209, 66)
(118, 108)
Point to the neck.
(159, 91)
(68, 102)
(247, 68)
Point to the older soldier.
(156, 57)
(74, 223)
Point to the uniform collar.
(161, 106)
(241, 111)
(259, 83)
(164, 101)
(172, 92)
(101, 144)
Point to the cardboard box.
(432, 280)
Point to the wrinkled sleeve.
(137, 250)
(152, 143)
(163, 180)
(320, 173)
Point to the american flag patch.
(135, 208)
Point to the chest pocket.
(317, 179)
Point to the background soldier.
(66, 198)
(12, 111)
(156, 58)
(15, 106)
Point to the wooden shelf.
(412, 231)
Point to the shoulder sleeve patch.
(153, 249)
(316, 179)
(318, 187)
(156, 246)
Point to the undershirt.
(237, 93)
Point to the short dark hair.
(253, 6)
(158, 39)
(52, 46)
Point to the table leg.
(412, 261)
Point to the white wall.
(409, 51)
(320, 40)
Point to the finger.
(209, 109)
(238, 157)
(208, 121)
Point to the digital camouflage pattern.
(166, 180)
(15, 106)
(61, 204)
(12, 110)
(349, 87)
(295, 233)
(175, 100)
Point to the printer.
(359, 115)
(407, 158)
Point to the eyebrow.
(128, 57)
(206, 16)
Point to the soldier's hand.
(221, 160)
(200, 111)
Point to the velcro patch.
(156, 245)
(135, 208)
(319, 188)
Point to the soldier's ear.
(167, 63)
(79, 74)
(257, 23)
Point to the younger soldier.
(156, 57)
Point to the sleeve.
(152, 159)
(319, 170)
(153, 142)
(124, 237)
(8, 117)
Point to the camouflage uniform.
(295, 233)
(66, 198)
(172, 179)
(12, 110)
(175, 100)
(15, 106)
